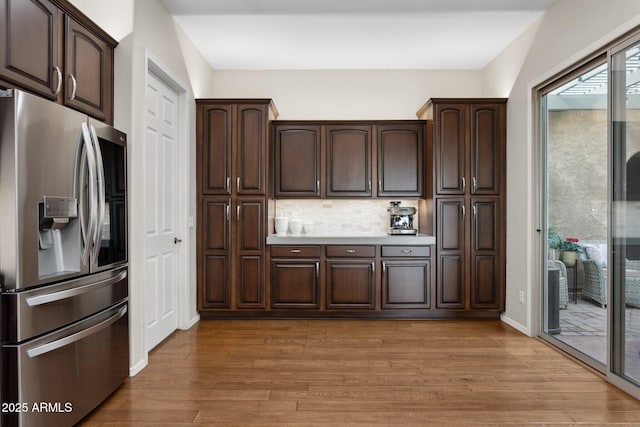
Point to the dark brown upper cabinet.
(30, 52)
(297, 161)
(337, 159)
(400, 160)
(51, 49)
(89, 70)
(348, 165)
(234, 138)
(469, 148)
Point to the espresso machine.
(401, 219)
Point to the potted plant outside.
(570, 249)
(554, 241)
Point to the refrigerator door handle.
(68, 293)
(101, 194)
(70, 339)
(91, 166)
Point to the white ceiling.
(353, 34)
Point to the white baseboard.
(195, 319)
(137, 368)
(521, 328)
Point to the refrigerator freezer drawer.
(31, 313)
(66, 374)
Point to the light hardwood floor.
(303, 372)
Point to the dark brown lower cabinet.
(486, 269)
(406, 284)
(350, 283)
(406, 277)
(295, 284)
(470, 275)
(232, 242)
(249, 226)
(215, 277)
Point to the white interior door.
(161, 211)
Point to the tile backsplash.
(340, 217)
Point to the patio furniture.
(563, 299)
(594, 286)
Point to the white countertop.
(362, 239)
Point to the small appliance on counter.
(401, 219)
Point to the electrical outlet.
(521, 297)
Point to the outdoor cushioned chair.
(594, 285)
(562, 285)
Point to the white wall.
(153, 33)
(346, 94)
(113, 16)
(569, 31)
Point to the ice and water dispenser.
(59, 242)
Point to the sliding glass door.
(575, 211)
(590, 212)
(625, 144)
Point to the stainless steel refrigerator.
(63, 262)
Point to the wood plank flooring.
(313, 372)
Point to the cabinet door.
(350, 284)
(450, 127)
(89, 71)
(348, 151)
(400, 160)
(251, 154)
(250, 245)
(294, 284)
(487, 143)
(486, 275)
(297, 161)
(216, 254)
(451, 286)
(406, 284)
(30, 52)
(215, 149)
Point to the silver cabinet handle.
(379, 187)
(464, 211)
(238, 183)
(475, 212)
(373, 267)
(406, 251)
(238, 213)
(384, 268)
(227, 183)
(317, 269)
(295, 251)
(228, 210)
(474, 183)
(351, 251)
(59, 85)
(464, 184)
(318, 186)
(369, 188)
(74, 88)
(70, 339)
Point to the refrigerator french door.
(63, 262)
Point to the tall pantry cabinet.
(232, 163)
(469, 152)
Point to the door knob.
(176, 240)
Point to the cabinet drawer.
(406, 251)
(351, 251)
(295, 251)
